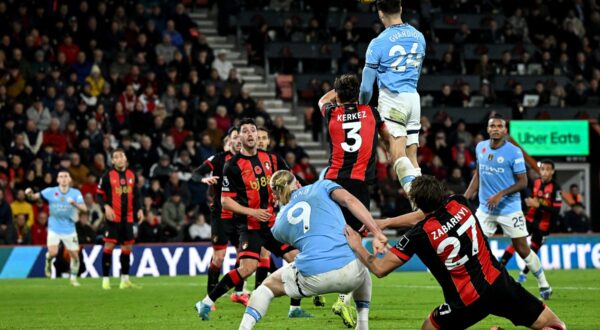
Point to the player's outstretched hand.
(140, 215)
(262, 215)
(210, 180)
(493, 201)
(354, 239)
(28, 192)
(379, 243)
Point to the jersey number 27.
(450, 263)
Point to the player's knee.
(521, 247)
(218, 259)
(427, 325)
(247, 267)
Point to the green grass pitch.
(400, 301)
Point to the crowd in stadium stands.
(85, 77)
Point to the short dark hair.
(548, 162)
(347, 87)
(232, 129)
(114, 151)
(428, 193)
(247, 121)
(389, 7)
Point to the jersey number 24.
(413, 60)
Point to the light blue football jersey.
(314, 224)
(397, 54)
(497, 171)
(62, 214)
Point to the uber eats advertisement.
(552, 137)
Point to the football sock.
(535, 247)
(294, 303)
(405, 171)
(508, 254)
(362, 309)
(213, 277)
(533, 262)
(228, 281)
(362, 299)
(239, 288)
(106, 262)
(262, 271)
(272, 267)
(257, 307)
(74, 267)
(124, 259)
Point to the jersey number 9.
(303, 217)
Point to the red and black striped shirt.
(451, 244)
(550, 199)
(119, 190)
(352, 131)
(246, 179)
(215, 164)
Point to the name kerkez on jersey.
(445, 228)
(351, 116)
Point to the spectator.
(179, 133)
(85, 232)
(95, 81)
(279, 133)
(22, 207)
(214, 135)
(200, 231)
(39, 114)
(222, 65)
(222, 119)
(173, 218)
(162, 170)
(176, 186)
(95, 213)
(573, 196)
(22, 231)
(166, 49)
(6, 221)
(79, 172)
(456, 182)
(576, 221)
(149, 230)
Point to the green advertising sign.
(552, 137)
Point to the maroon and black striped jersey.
(352, 131)
(119, 190)
(550, 199)
(215, 164)
(246, 179)
(451, 244)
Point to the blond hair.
(282, 184)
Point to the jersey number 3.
(412, 61)
(303, 217)
(353, 135)
(455, 242)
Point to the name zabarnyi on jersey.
(445, 228)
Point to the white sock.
(363, 316)
(293, 308)
(208, 301)
(48, 257)
(74, 268)
(257, 307)
(342, 297)
(533, 262)
(124, 278)
(348, 298)
(406, 172)
(105, 279)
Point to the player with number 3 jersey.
(394, 58)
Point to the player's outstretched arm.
(347, 200)
(402, 221)
(379, 267)
(366, 86)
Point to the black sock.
(273, 267)
(228, 281)
(213, 277)
(261, 274)
(295, 302)
(124, 263)
(106, 262)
